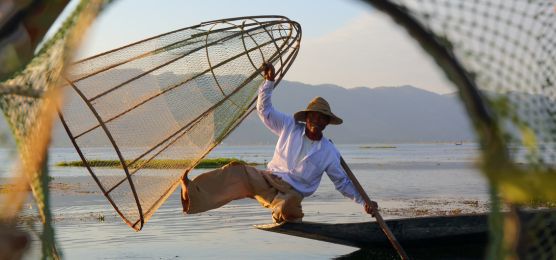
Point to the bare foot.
(184, 196)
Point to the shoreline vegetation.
(158, 163)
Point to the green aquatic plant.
(157, 163)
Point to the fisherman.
(301, 156)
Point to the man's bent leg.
(286, 205)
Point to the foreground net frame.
(33, 64)
(499, 54)
(195, 84)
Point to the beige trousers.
(235, 181)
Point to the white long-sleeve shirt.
(303, 175)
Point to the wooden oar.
(377, 215)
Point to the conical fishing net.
(143, 115)
(501, 56)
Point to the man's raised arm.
(272, 118)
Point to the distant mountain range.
(377, 115)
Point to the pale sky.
(345, 42)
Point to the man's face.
(316, 122)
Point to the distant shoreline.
(273, 143)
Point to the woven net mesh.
(143, 115)
(506, 51)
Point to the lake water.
(406, 180)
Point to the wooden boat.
(445, 237)
(411, 232)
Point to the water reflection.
(462, 251)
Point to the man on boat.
(301, 156)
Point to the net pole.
(385, 229)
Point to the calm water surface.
(88, 228)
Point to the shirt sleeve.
(272, 118)
(342, 182)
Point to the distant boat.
(459, 143)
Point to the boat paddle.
(376, 214)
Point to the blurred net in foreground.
(28, 99)
(501, 54)
(171, 97)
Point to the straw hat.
(318, 104)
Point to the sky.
(345, 42)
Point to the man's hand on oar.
(371, 208)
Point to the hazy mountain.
(385, 114)
(378, 115)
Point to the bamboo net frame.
(173, 96)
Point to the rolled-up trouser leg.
(216, 188)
